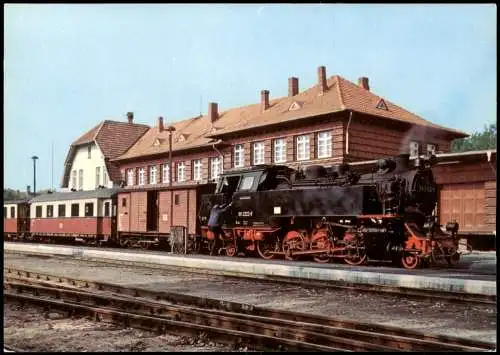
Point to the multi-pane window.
(165, 173)
(239, 156)
(215, 167)
(431, 149)
(130, 177)
(73, 179)
(197, 170)
(258, 153)
(152, 175)
(104, 176)
(38, 212)
(141, 177)
(414, 148)
(302, 147)
(80, 179)
(97, 176)
(61, 211)
(181, 169)
(280, 150)
(75, 210)
(50, 211)
(324, 145)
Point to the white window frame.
(130, 177)
(104, 177)
(414, 148)
(80, 179)
(431, 149)
(215, 167)
(181, 171)
(141, 177)
(303, 150)
(239, 156)
(197, 170)
(258, 153)
(279, 149)
(152, 174)
(325, 144)
(97, 176)
(165, 173)
(73, 179)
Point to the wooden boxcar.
(147, 215)
(16, 219)
(88, 215)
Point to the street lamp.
(34, 157)
(170, 129)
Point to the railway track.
(220, 320)
(421, 294)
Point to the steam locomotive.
(333, 213)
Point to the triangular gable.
(382, 105)
(295, 106)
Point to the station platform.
(475, 274)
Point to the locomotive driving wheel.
(268, 246)
(320, 241)
(356, 252)
(293, 242)
(410, 260)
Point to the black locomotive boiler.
(333, 213)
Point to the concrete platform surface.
(476, 273)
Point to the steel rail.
(384, 335)
(421, 294)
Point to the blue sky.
(68, 67)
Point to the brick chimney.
(161, 128)
(130, 117)
(363, 82)
(293, 86)
(213, 113)
(322, 79)
(264, 99)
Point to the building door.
(152, 211)
(464, 203)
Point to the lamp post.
(170, 129)
(34, 157)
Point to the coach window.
(5, 212)
(50, 211)
(106, 209)
(75, 210)
(89, 210)
(12, 212)
(38, 211)
(177, 199)
(62, 210)
(124, 202)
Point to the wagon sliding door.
(152, 211)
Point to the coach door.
(152, 211)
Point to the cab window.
(247, 183)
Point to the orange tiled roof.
(113, 138)
(341, 95)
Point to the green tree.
(477, 141)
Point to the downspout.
(488, 155)
(347, 134)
